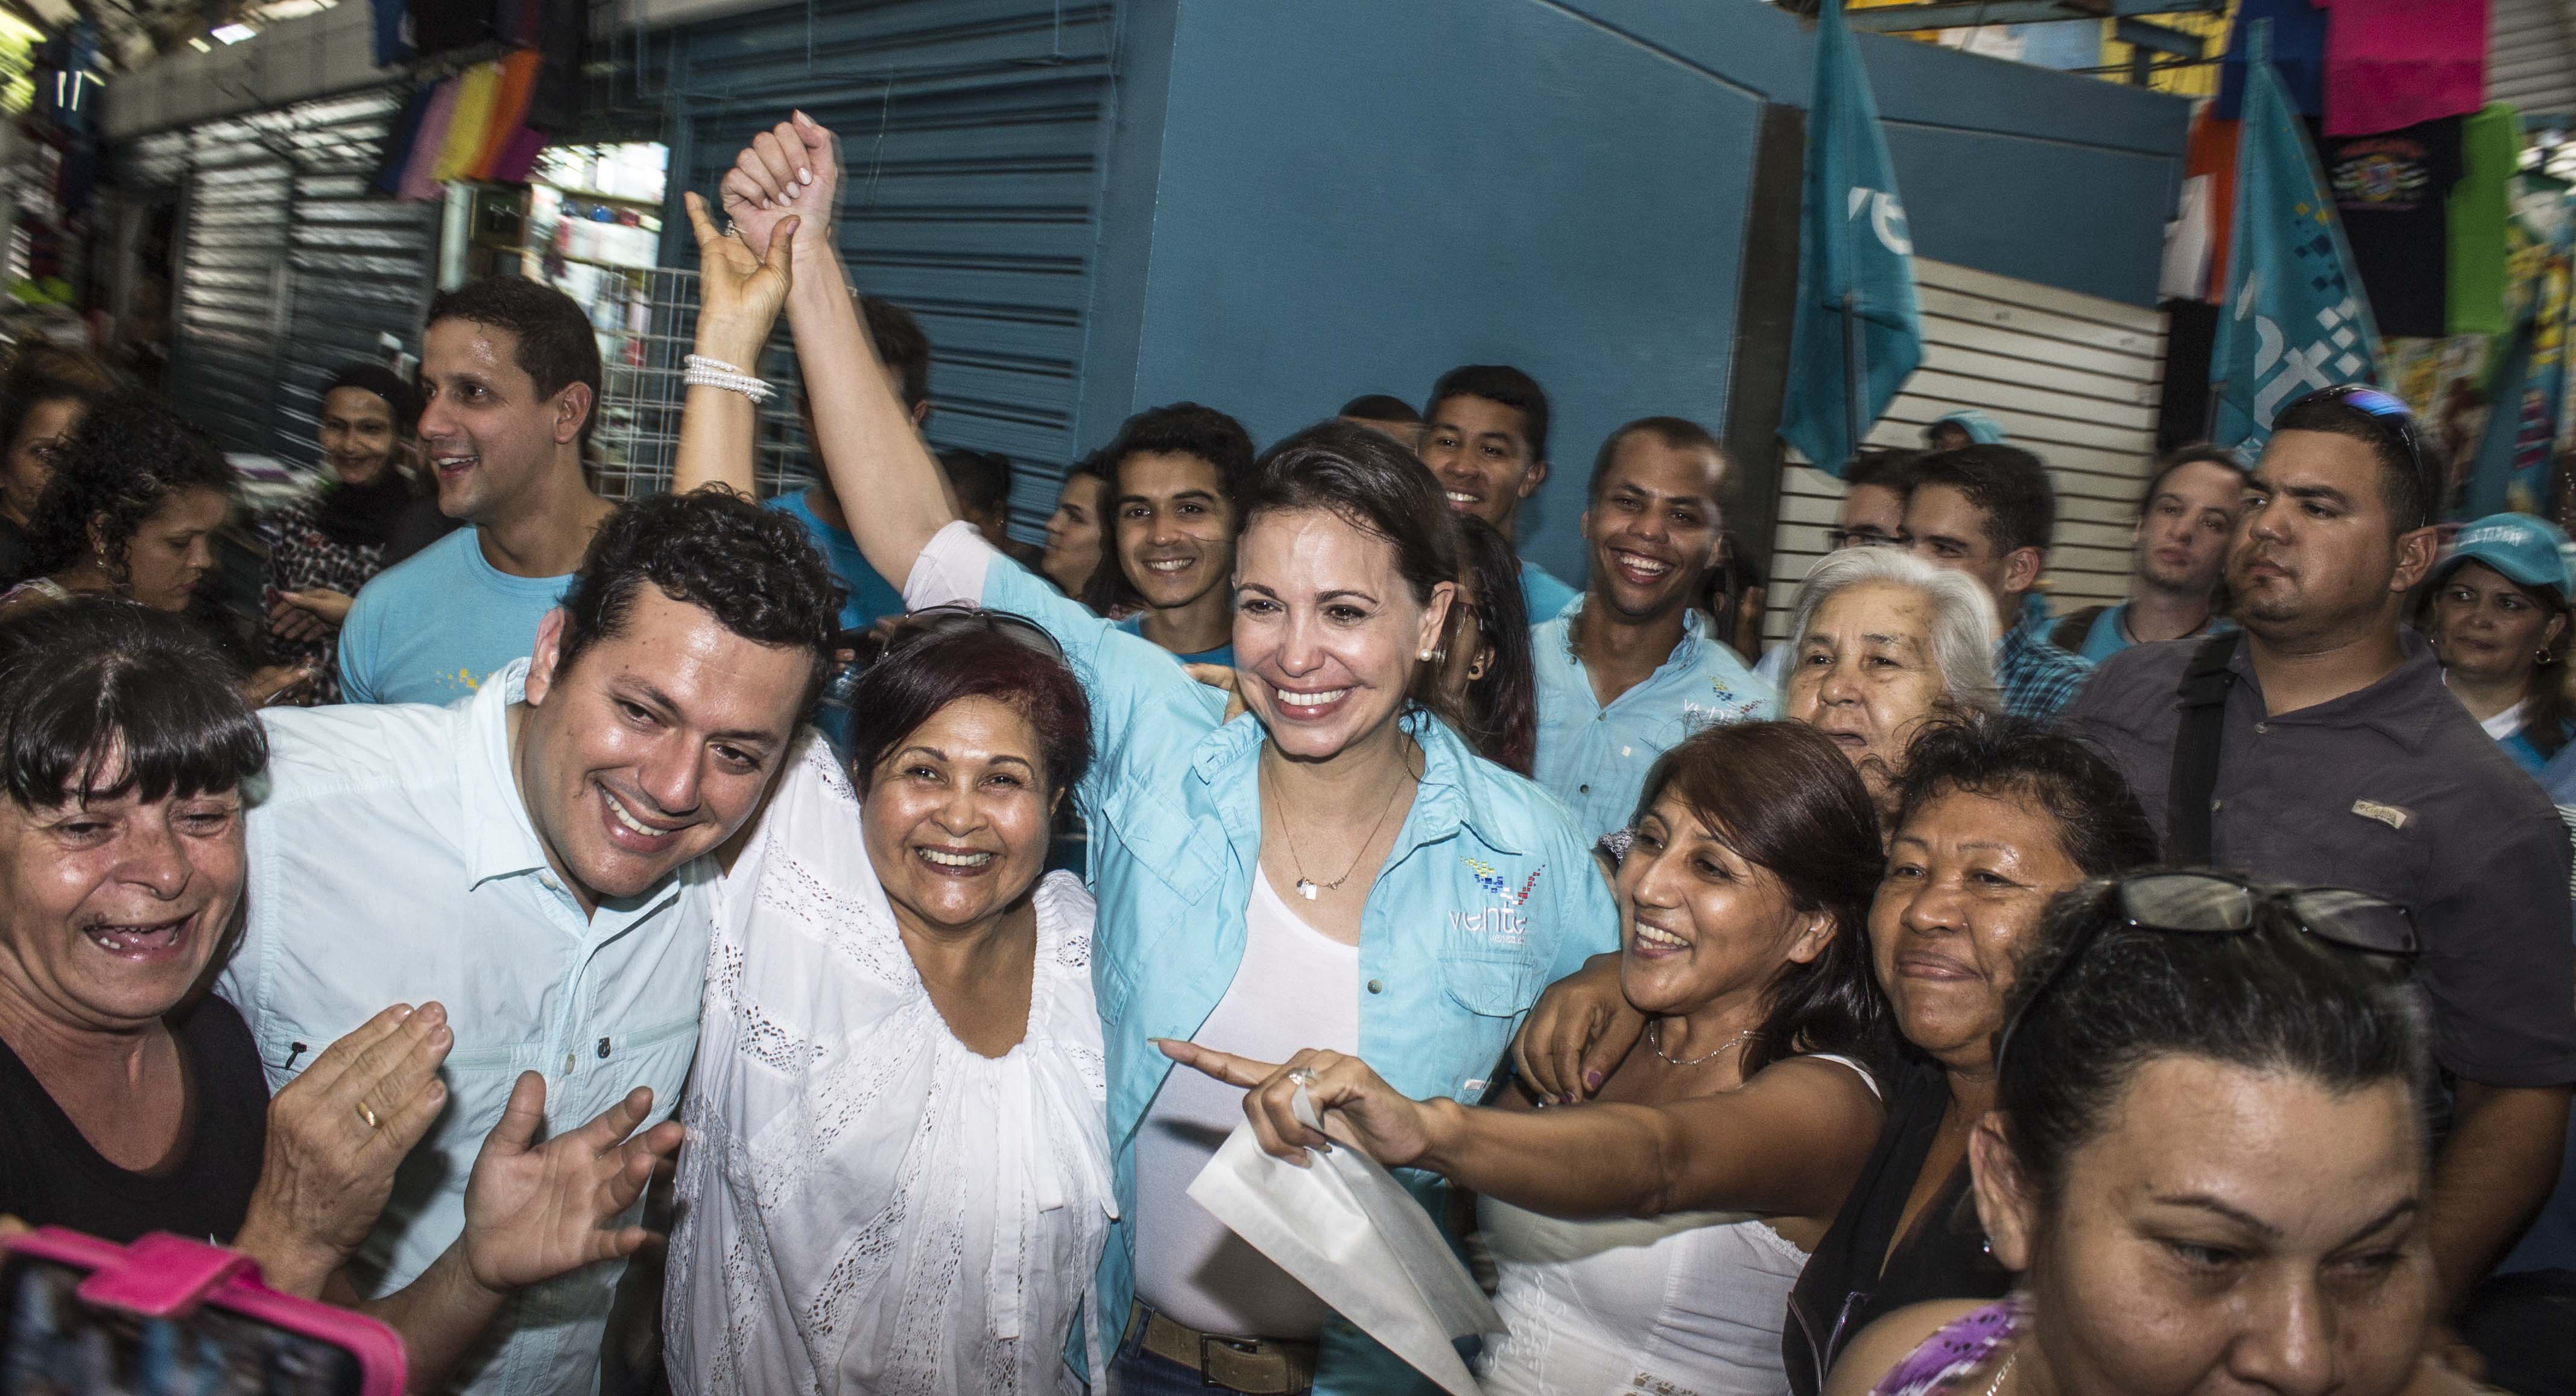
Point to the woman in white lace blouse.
(896, 1175)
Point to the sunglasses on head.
(935, 622)
(2395, 421)
(2209, 903)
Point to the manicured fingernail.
(1566, 1099)
(803, 175)
(1592, 1080)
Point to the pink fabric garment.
(2392, 63)
(519, 156)
(419, 183)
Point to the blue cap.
(2524, 548)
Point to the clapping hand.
(1356, 1105)
(534, 1211)
(792, 170)
(335, 1135)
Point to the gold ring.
(369, 1115)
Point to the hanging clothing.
(2298, 51)
(2393, 189)
(2211, 154)
(420, 172)
(2480, 212)
(2393, 63)
(472, 121)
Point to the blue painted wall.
(1307, 201)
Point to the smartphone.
(60, 1337)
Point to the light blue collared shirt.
(1488, 895)
(1596, 758)
(392, 861)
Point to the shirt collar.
(498, 838)
(2402, 704)
(1455, 788)
(1694, 630)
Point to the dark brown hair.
(1785, 797)
(1500, 716)
(924, 671)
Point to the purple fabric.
(1962, 1346)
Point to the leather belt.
(1256, 1366)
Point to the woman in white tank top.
(1646, 1241)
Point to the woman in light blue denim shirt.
(1464, 889)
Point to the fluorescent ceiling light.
(201, 46)
(234, 33)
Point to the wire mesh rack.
(643, 347)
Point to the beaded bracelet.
(703, 372)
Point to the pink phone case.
(163, 1275)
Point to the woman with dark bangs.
(1719, 1149)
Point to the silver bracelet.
(703, 372)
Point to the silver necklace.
(2003, 1371)
(1655, 1038)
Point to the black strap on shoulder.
(2074, 628)
(2203, 695)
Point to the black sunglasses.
(2395, 421)
(2209, 903)
(932, 622)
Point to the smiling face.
(110, 910)
(1653, 525)
(1863, 674)
(1326, 631)
(2491, 629)
(957, 816)
(655, 745)
(2182, 539)
(2231, 1231)
(1967, 880)
(1175, 528)
(357, 435)
(42, 435)
(493, 441)
(2316, 551)
(1700, 921)
(1480, 450)
(169, 557)
(1073, 533)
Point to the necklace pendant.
(1307, 889)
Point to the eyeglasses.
(2208, 903)
(1837, 539)
(933, 622)
(2395, 421)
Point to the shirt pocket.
(1488, 980)
(1156, 833)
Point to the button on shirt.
(2392, 790)
(1596, 758)
(392, 861)
(1488, 894)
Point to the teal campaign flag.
(1859, 328)
(2295, 318)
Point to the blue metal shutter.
(971, 133)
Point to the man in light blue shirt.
(1484, 435)
(536, 859)
(509, 379)
(1630, 668)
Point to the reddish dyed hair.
(971, 655)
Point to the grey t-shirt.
(2393, 790)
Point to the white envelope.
(1346, 1229)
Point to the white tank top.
(1685, 1304)
(1296, 987)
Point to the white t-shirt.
(2508, 722)
(1296, 987)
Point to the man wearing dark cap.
(2318, 747)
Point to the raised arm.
(1790, 1142)
(739, 295)
(866, 438)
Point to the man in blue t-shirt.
(2185, 519)
(1175, 476)
(1485, 435)
(509, 383)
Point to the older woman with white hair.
(1885, 642)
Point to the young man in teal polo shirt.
(1484, 435)
(1633, 667)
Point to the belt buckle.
(1240, 1349)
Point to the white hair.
(1963, 616)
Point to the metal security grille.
(232, 292)
(972, 132)
(637, 439)
(2072, 377)
(359, 265)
